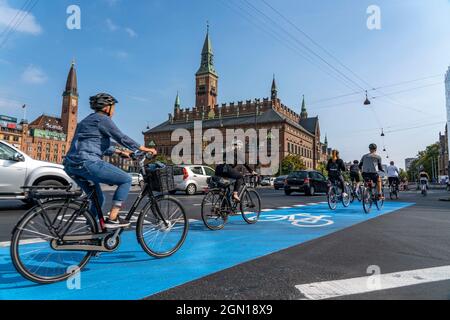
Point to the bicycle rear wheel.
(367, 200)
(32, 253)
(162, 236)
(346, 199)
(214, 210)
(251, 206)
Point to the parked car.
(267, 181)
(136, 178)
(192, 178)
(308, 182)
(279, 182)
(18, 170)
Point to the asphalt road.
(415, 237)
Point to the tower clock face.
(202, 81)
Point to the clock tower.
(69, 111)
(206, 78)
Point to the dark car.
(308, 182)
(279, 182)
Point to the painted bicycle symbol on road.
(303, 220)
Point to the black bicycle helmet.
(101, 100)
(356, 162)
(373, 146)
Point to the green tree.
(424, 159)
(292, 163)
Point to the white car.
(267, 181)
(18, 170)
(192, 179)
(136, 178)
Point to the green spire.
(207, 64)
(177, 101)
(304, 113)
(326, 140)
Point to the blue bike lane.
(130, 273)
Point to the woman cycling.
(335, 167)
(91, 142)
(228, 170)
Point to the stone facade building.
(443, 153)
(299, 133)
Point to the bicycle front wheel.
(214, 210)
(162, 227)
(332, 198)
(251, 206)
(31, 248)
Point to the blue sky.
(144, 51)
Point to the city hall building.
(299, 134)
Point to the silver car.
(192, 178)
(18, 170)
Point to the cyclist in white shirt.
(393, 174)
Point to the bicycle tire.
(15, 243)
(367, 200)
(332, 198)
(218, 201)
(140, 231)
(245, 197)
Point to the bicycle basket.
(161, 179)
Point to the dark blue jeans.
(100, 172)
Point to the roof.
(207, 64)
(45, 122)
(310, 124)
(269, 116)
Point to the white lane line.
(197, 204)
(300, 205)
(267, 210)
(284, 207)
(29, 241)
(339, 288)
(313, 204)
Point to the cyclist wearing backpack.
(370, 164)
(91, 142)
(335, 168)
(355, 173)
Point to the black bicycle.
(371, 195)
(218, 205)
(57, 237)
(394, 190)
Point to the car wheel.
(191, 190)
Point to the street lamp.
(367, 102)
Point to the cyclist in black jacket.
(335, 168)
(228, 170)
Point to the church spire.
(326, 140)
(274, 90)
(304, 113)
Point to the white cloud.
(131, 32)
(34, 75)
(7, 14)
(111, 25)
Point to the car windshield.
(299, 174)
